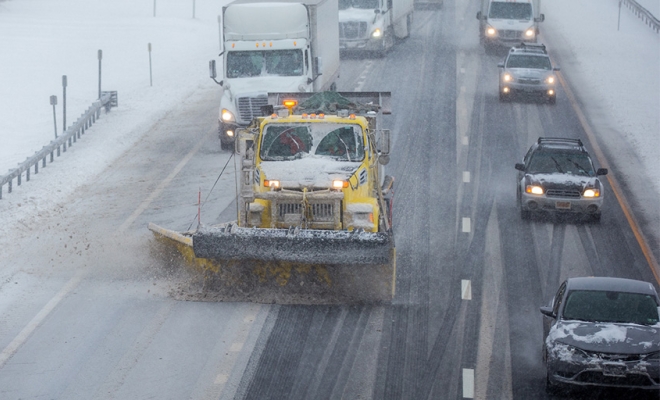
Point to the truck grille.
(507, 34)
(352, 30)
(530, 81)
(321, 212)
(250, 107)
(563, 193)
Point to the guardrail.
(644, 14)
(59, 145)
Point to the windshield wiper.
(557, 164)
(584, 171)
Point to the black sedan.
(602, 332)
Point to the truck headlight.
(490, 31)
(339, 184)
(530, 33)
(507, 78)
(591, 193)
(534, 189)
(377, 33)
(273, 184)
(551, 79)
(227, 116)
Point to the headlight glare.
(377, 33)
(534, 189)
(591, 193)
(272, 184)
(490, 31)
(551, 79)
(227, 115)
(529, 32)
(339, 184)
(507, 78)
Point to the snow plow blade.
(289, 266)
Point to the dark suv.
(527, 69)
(557, 175)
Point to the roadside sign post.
(53, 102)
(100, 57)
(64, 84)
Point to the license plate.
(614, 370)
(563, 205)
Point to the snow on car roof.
(611, 284)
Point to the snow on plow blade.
(288, 266)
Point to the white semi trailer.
(509, 22)
(373, 25)
(273, 46)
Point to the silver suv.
(527, 69)
(557, 175)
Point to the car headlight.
(377, 33)
(653, 357)
(490, 31)
(530, 33)
(507, 78)
(591, 192)
(567, 353)
(227, 115)
(534, 189)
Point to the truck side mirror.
(479, 15)
(212, 72)
(383, 142)
(541, 18)
(500, 65)
(318, 67)
(556, 69)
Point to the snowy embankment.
(42, 40)
(614, 69)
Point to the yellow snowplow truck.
(314, 206)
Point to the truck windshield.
(245, 64)
(508, 10)
(282, 142)
(363, 4)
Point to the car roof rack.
(549, 140)
(530, 48)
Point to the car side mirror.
(548, 312)
(520, 167)
(541, 18)
(377, 11)
(479, 15)
(601, 171)
(556, 69)
(500, 65)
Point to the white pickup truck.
(509, 22)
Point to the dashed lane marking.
(466, 289)
(468, 383)
(466, 225)
(466, 176)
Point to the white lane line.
(466, 289)
(221, 379)
(23, 336)
(466, 176)
(236, 346)
(161, 187)
(466, 225)
(468, 383)
(465, 141)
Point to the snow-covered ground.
(617, 73)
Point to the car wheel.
(503, 97)
(595, 217)
(226, 146)
(552, 99)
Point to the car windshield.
(341, 142)
(562, 163)
(603, 306)
(363, 4)
(509, 10)
(244, 64)
(528, 61)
